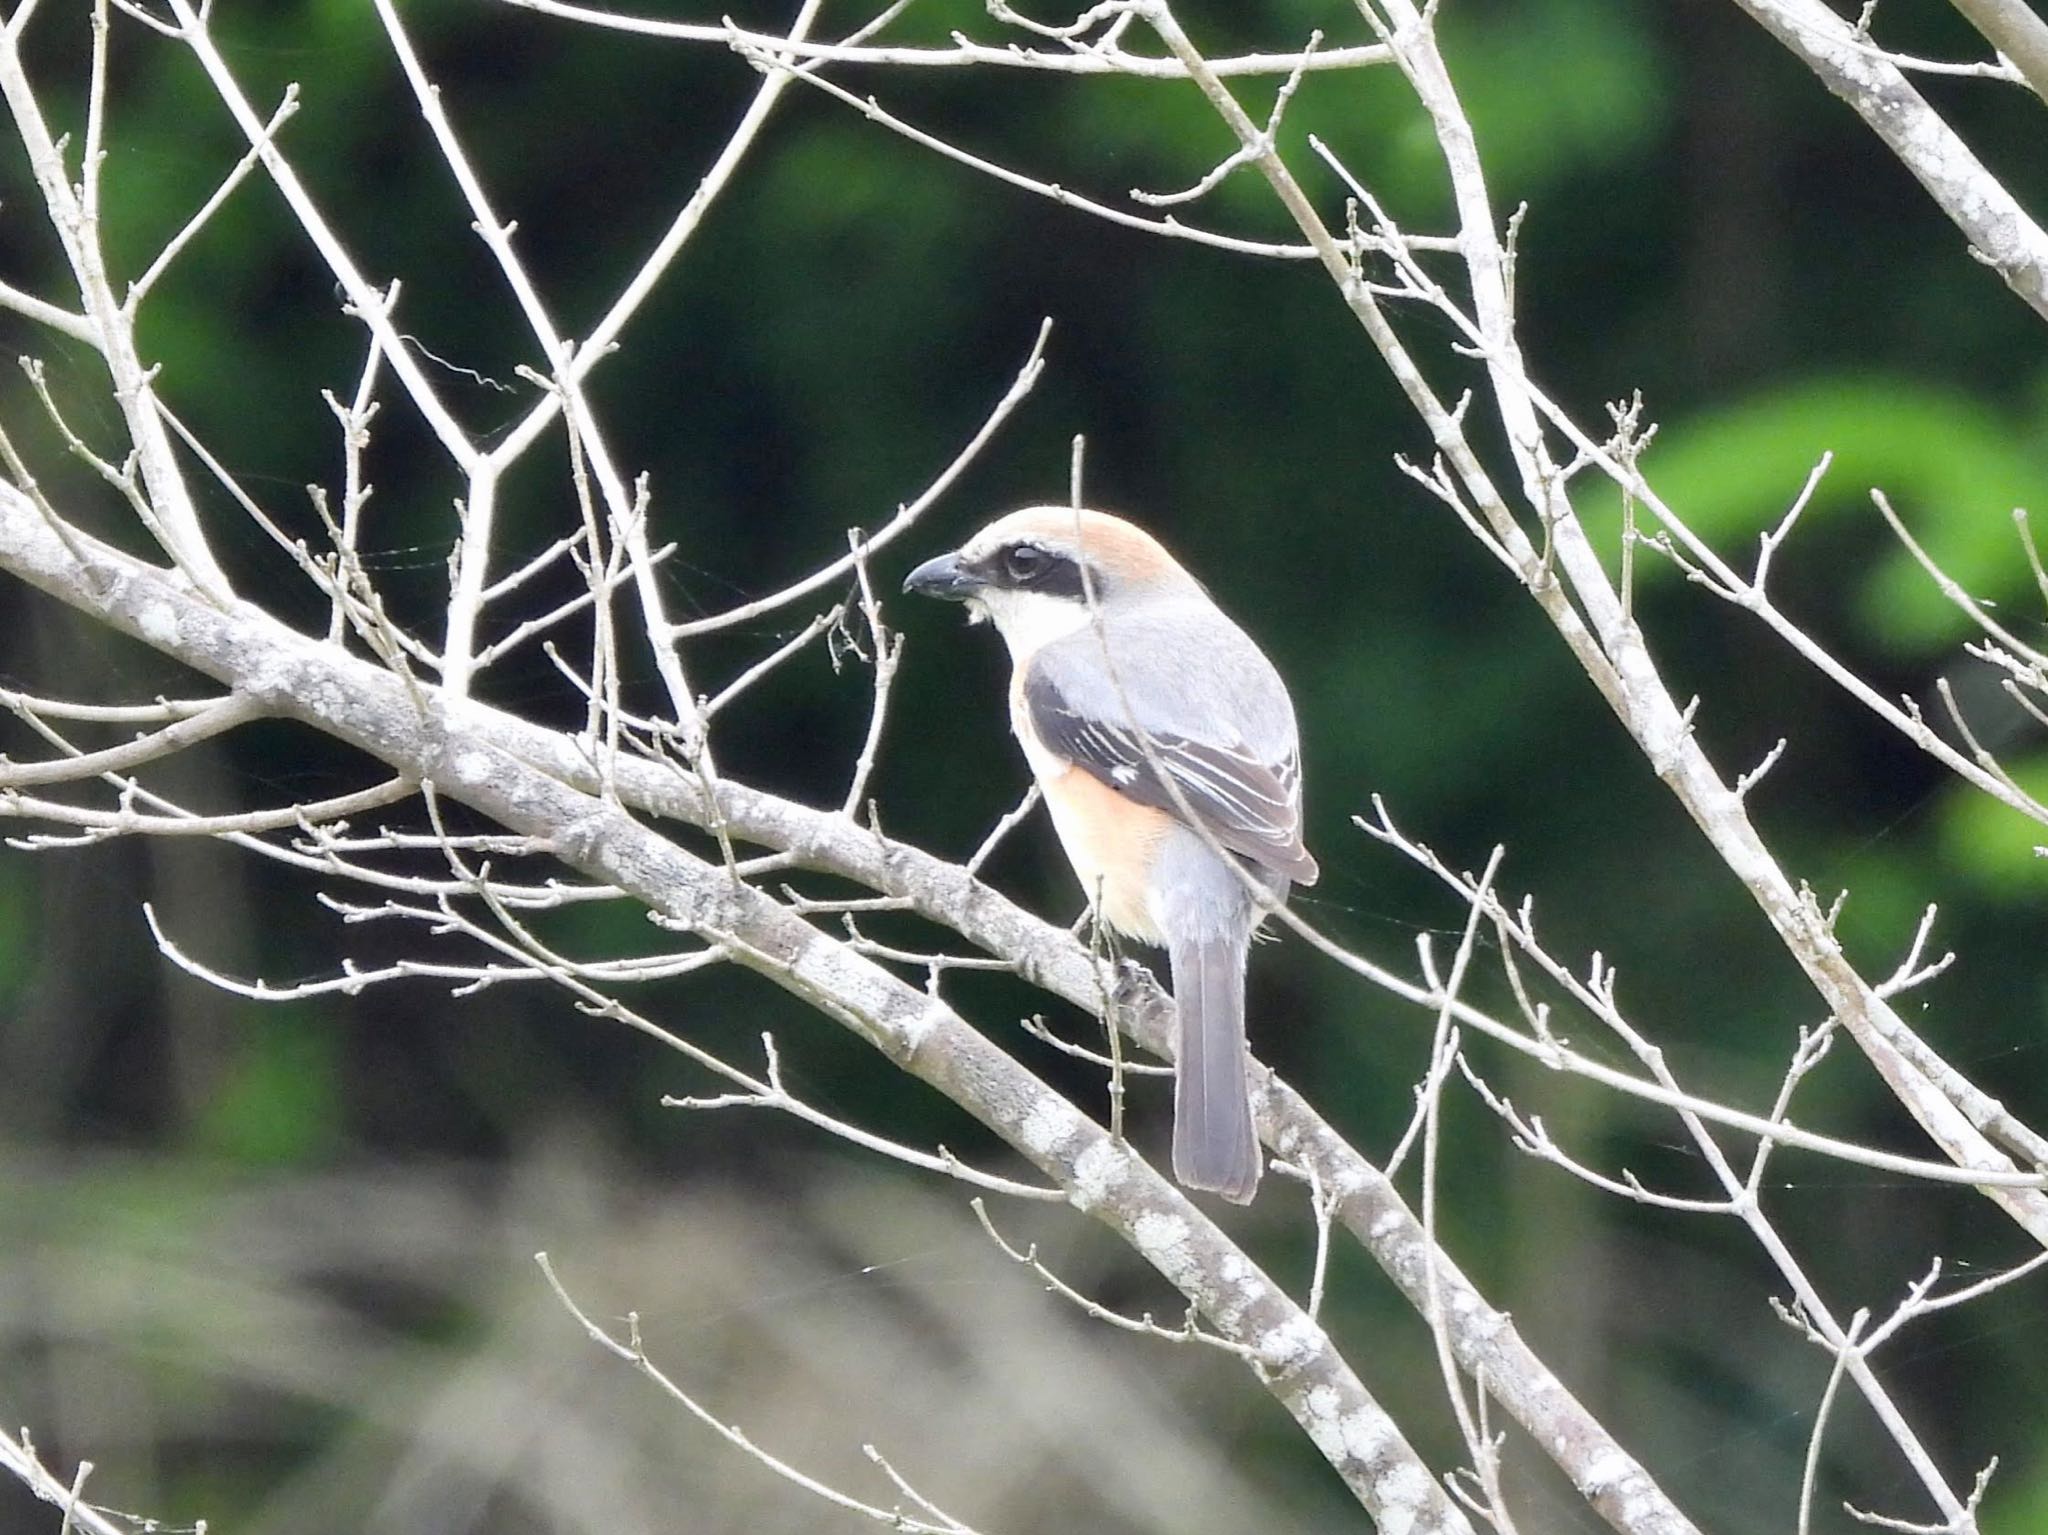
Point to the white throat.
(1028, 621)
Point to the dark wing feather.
(1251, 807)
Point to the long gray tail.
(1214, 1144)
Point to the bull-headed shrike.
(1145, 713)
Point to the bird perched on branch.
(1165, 744)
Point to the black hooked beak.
(943, 577)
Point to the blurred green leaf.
(279, 1103)
(1567, 87)
(1953, 466)
(17, 903)
(1997, 844)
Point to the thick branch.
(1602, 635)
(2015, 31)
(147, 603)
(1999, 230)
(446, 742)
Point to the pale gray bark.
(2000, 232)
(473, 755)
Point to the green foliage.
(843, 317)
(17, 957)
(1994, 844)
(1554, 92)
(1953, 464)
(280, 1102)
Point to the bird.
(1164, 743)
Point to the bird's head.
(1042, 573)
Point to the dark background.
(193, 1186)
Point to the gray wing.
(1217, 722)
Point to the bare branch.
(630, 1350)
(772, 1094)
(962, 52)
(1020, 386)
(1244, 153)
(600, 838)
(139, 289)
(1190, 1330)
(19, 1459)
(363, 297)
(1998, 229)
(58, 318)
(1952, 589)
(1168, 226)
(192, 729)
(2020, 37)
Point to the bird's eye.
(1023, 561)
